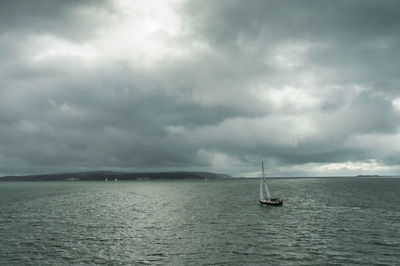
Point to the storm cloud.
(309, 87)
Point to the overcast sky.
(310, 87)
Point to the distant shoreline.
(117, 176)
(150, 176)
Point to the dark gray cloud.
(70, 19)
(310, 87)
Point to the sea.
(323, 221)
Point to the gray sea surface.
(324, 221)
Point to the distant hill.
(102, 175)
(368, 175)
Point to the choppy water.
(323, 221)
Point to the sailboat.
(265, 196)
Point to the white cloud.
(217, 160)
(289, 99)
(65, 108)
(290, 55)
(54, 48)
(396, 104)
(178, 129)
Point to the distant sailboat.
(265, 196)
(116, 179)
(106, 179)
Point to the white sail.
(265, 183)
(261, 190)
(266, 190)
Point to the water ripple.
(323, 221)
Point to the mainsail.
(268, 195)
(261, 190)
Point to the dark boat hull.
(277, 202)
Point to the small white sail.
(268, 195)
(261, 190)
